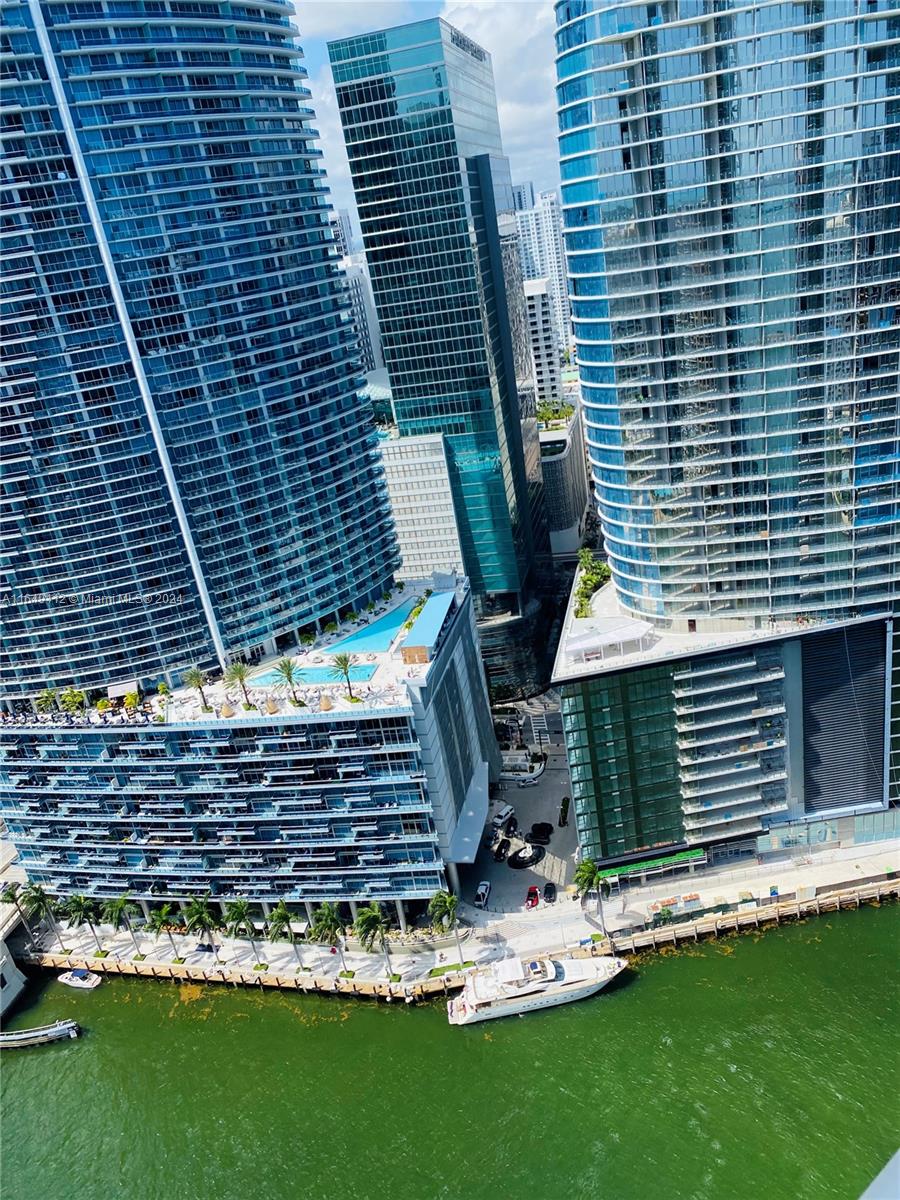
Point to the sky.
(518, 34)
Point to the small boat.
(516, 986)
(81, 979)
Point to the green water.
(758, 1068)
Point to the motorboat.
(516, 986)
(86, 980)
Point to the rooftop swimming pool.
(376, 637)
(322, 675)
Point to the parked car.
(523, 783)
(482, 894)
(501, 850)
(533, 897)
(537, 839)
(503, 816)
(512, 826)
(549, 893)
(542, 828)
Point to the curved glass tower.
(731, 192)
(190, 472)
(730, 188)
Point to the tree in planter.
(46, 701)
(443, 909)
(328, 927)
(238, 672)
(73, 701)
(132, 700)
(199, 918)
(587, 877)
(161, 920)
(371, 926)
(118, 913)
(343, 665)
(197, 679)
(163, 689)
(239, 924)
(104, 705)
(82, 911)
(40, 904)
(279, 928)
(287, 669)
(10, 895)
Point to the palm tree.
(46, 701)
(588, 877)
(118, 913)
(162, 919)
(343, 665)
(287, 669)
(239, 923)
(199, 918)
(328, 927)
(195, 678)
(10, 895)
(371, 926)
(40, 904)
(442, 908)
(279, 928)
(73, 700)
(238, 672)
(81, 911)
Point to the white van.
(503, 816)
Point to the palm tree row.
(371, 925)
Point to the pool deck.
(322, 694)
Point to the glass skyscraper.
(190, 472)
(191, 478)
(730, 193)
(435, 200)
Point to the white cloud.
(341, 18)
(328, 123)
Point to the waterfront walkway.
(744, 896)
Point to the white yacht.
(514, 986)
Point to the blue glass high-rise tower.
(190, 472)
(191, 478)
(731, 187)
(436, 210)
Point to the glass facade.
(731, 192)
(420, 122)
(620, 736)
(144, 811)
(190, 470)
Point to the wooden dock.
(761, 916)
(40, 1035)
(302, 981)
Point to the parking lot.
(531, 804)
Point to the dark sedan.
(549, 893)
(501, 850)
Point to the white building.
(418, 480)
(543, 256)
(364, 316)
(544, 346)
(565, 485)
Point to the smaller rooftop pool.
(316, 675)
(376, 637)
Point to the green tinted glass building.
(420, 121)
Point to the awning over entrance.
(470, 822)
